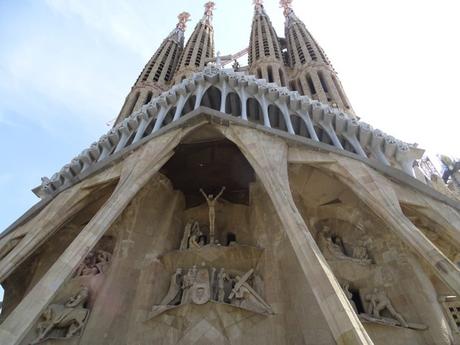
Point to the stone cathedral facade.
(236, 205)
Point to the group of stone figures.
(202, 285)
(96, 262)
(332, 246)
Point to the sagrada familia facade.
(236, 205)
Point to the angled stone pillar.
(137, 171)
(268, 156)
(378, 193)
(59, 211)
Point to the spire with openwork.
(200, 46)
(265, 55)
(313, 74)
(158, 72)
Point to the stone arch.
(212, 98)
(255, 113)
(233, 104)
(276, 117)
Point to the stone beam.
(59, 211)
(268, 156)
(138, 169)
(378, 193)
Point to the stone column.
(138, 170)
(268, 156)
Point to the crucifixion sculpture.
(211, 200)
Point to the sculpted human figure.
(88, 266)
(346, 290)
(103, 259)
(70, 316)
(244, 296)
(211, 200)
(174, 288)
(187, 283)
(221, 278)
(191, 236)
(378, 302)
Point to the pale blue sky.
(66, 66)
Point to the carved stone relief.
(96, 262)
(209, 284)
(64, 321)
(380, 310)
(333, 248)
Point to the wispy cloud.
(118, 20)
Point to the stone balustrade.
(279, 109)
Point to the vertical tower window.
(283, 80)
(149, 97)
(323, 81)
(311, 85)
(270, 74)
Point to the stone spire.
(265, 55)
(200, 46)
(159, 71)
(313, 74)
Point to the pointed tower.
(200, 46)
(265, 55)
(313, 74)
(158, 72)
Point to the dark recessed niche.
(210, 165)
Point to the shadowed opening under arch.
(233, 104)
(276, 118)
(212, 98)
(255, 113)
(189, 105)
(323, 136)
(300, 128)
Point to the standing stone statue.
(211, 200)
(70, 317)
(192, 234)
(221, 278)
(187, 283)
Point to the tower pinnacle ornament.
(287, 6)
(259, 4)
(184, 18)
(209, 10)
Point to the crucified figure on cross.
(211, 200)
